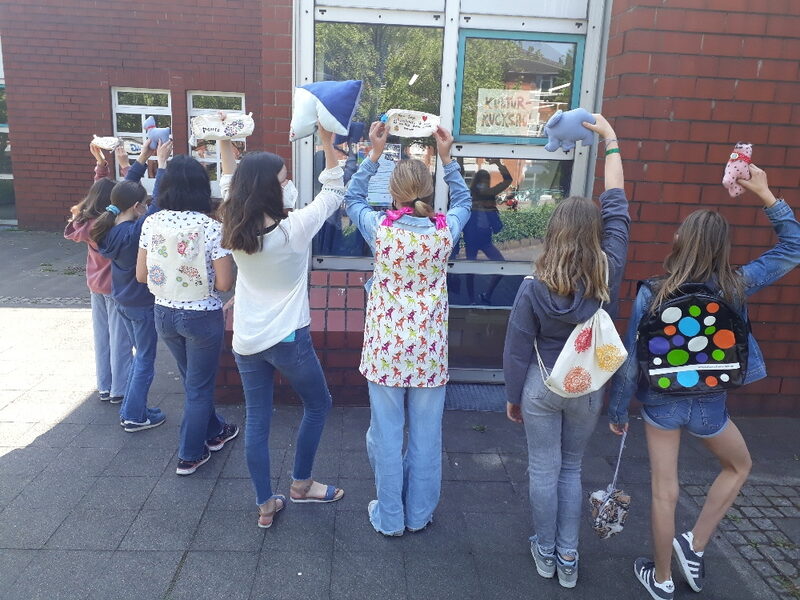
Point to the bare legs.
(730, 449)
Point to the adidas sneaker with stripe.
(690, 563)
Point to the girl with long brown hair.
(271, 315)
(700, 256)
(579, 270)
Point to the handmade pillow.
(155, 134)
(332, 103)
(738, 167)
(211, 127)
(563, 129)
(105, 143)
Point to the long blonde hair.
(701, 252)
(411, 185)
(573, 255)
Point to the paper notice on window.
(378, 190)
(508, 112)
(411, 123)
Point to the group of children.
(168, 262)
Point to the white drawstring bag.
(591, 355)
(609, 507)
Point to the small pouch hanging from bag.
(609, 507)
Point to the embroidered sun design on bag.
(584, 340)
(577, 380)
(156, 275)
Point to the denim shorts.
(703, 418)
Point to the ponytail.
(124, 195)
(422, 208)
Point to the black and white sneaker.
(690, 563)
(645, 571)
(226, 435)
(104, 396)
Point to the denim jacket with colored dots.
(766, 269)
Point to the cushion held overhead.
(332, 103)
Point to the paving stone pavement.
(88, 511)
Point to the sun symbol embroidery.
(577, 380)
(609, 357)
(156, 275)
(584, 340)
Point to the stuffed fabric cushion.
(332, 103)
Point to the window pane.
(205, 150)
(163, 120)
(476, 335)
(129, 123)
(7, 207)
(511, 87)
(5, 154)
(143, 99)
(217, 102)
(3, 107)
(401, 67)
(512, 200)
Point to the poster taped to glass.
(509, 112)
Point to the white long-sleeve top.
(272, 284)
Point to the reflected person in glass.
(483, 224)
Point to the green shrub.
(522, 224)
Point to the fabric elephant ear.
(332, 103)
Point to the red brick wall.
(686, 79)
(63, 57)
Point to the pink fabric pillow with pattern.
(738, 167)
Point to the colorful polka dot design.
(693, 347)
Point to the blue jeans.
(194, 337)
(558, 430)
(138, 321)
(408, 483)
(298, 363)
(112, 346)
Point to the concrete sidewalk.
(89, 511)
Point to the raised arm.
(614, 176)
(139, 168)
(460, 198)
(358, 209)
(163, 153)
(507, 179)
(308, 220)
(785, 255)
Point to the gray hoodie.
(549, 318)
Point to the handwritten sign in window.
(508, 112)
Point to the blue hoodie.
(538, 314)
(121, 246)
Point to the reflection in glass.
(7, 202)
(5, 154)
(476, 335)
(129, 123)
(142, 99)
(401, 67)
(512, 200)
(3, 106)
(512, 87)
(217, 102)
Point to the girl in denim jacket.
(700, 253)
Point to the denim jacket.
(766, 269)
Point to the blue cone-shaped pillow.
(563, 129)
(332, 103)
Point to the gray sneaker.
(545, 563)
(567, 572)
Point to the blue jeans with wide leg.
(298, 363)
(138, 321)
(112, 346)
(194, 337)
(408, 483)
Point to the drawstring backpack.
(591, 355)
(609, 507)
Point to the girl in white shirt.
(271, 315)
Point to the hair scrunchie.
(113, 209)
